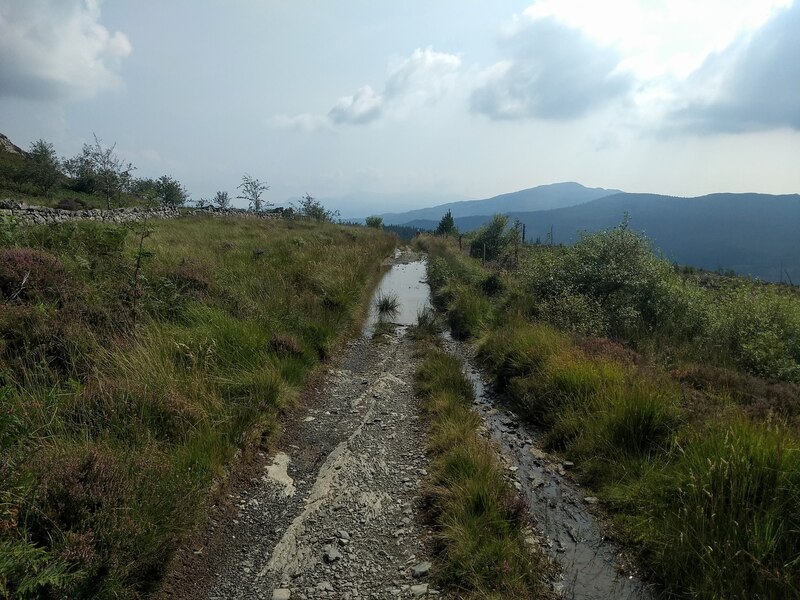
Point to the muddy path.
(335, 510)
(565, 516)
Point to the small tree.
(99, 170)
(375, 221)
(43, 168)
(145, 188)
(221, 200)
(311, 208)
(252, 190)
(493, 238)
(170, 192)
(447, 225)
(81, 172)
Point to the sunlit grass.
(115, 423)
(480, 522)
(700, 470)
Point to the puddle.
(407, 280)
(573, 538)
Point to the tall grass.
(480, 523)
(698, 463)
(114, 429)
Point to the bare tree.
(221, 200)
(252, 190)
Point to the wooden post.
(484, 254)
(459, 242)
(523, 233)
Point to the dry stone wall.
(42, 215)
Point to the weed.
(388, 305)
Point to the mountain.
(543, 197)
(362, 204)
(6, 145)
(753, 234)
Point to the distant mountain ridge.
(543, 197)
(752, 234)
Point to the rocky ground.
(334, 512)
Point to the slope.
(543, 197)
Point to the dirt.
(334, 510)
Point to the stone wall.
(41, 214)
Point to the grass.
(697, 462)
(387, 304)
(480, 521)
(116, 424)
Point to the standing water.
(406, 281)
(571, 535)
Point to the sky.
(414, 101)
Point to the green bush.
(491, 240)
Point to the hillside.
(543, 197)
(752, 234)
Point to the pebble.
(281, 594)
(419, 590)
(421, 569)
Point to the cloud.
(421, 79)
(362, 107)
(57, 49)
(554, 71)
(302, 122)
(754, 84)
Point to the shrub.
(30, 275)
(375, 222)
(492, 239)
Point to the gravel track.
(334, 514)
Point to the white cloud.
(421, 79)
(754, 84)
(57, 49)
(362, 107)
(555, 71)
(303, 122)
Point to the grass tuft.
(480, 521)
(388, 305)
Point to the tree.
(447, 225)
(252, 190)
(98, 169)
(493, 238)
(43, 168)
(221, 200)
(375, 221)
(170, 192)
(311, 208)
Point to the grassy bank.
(698, 462)
(480, 521)
(132, 369)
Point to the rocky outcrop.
(6, 145)
(41, 215)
